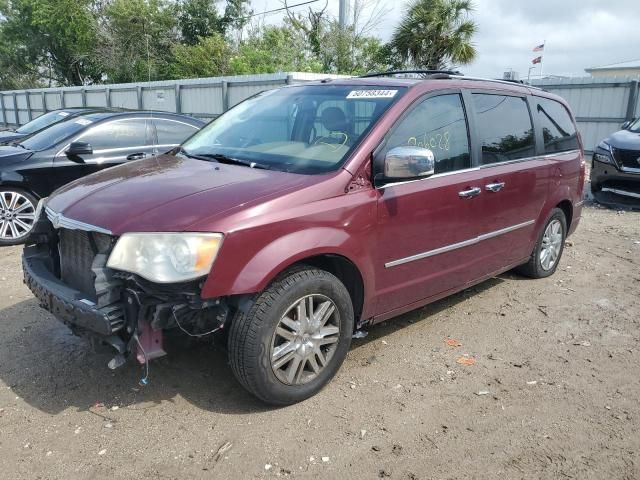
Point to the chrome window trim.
(176, 121)
(437, 175)
(455, 246)
(527, 159)
(58, 221)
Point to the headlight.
(166, 257)
(604, 153)
(604, 146)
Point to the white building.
(623, 69)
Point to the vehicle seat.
(335, 121)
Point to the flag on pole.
(539, 48)
(537, 60)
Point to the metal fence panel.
(53, 100)
(206, 99)
(124, 98)
(96, 98)
(201, 97)
(159, 99)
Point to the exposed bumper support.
(68, 305)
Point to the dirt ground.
(555, 392)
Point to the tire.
(255, 337)
(539, 266)
(17, 212)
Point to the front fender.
(11, 177)
(276, 256)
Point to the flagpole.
(544, 49)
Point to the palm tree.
(435, 34)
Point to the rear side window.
(117, 134)
(171, 132)
(439, 124)
(558, 130)
(504, 128)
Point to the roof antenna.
(146, 38)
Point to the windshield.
(635, 126)
(42, 121)
(306, 129)
(55, 133)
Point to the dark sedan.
(43, 121)
(616, 162)
(76, 147)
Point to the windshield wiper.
(192, 155)
(222, 158)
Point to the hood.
(10, 154)
(7, 136)
(167, 193)
(625, 139)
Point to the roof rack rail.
(505, 82)
(424, 73)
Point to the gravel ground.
(554, 392)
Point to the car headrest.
(334, 119)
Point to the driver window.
(439, 124)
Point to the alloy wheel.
(305, 339)
(551, 245)
(17, 215)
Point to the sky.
(578, 33)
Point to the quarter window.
(504, 128)
(439, 124)
(558, 130)
(117, 134)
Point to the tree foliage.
(81, 42)
(435, 34)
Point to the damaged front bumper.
(120, 309)
(68, 305)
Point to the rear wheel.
(549, 247)
(17, 215)
(294, 338)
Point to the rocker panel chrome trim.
(455, 246)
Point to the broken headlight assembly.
(604, 153)
(166, 257)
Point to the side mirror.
(408, 163)
(79, 148)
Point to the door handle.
(136, 156)
(472, 192)
(494, 187)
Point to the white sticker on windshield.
(372, 93)
(63, 114)
(83, 121)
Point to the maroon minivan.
(310, 211)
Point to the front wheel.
(294, 337)
(549, 247)
(17, 215)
